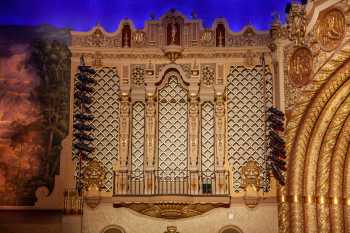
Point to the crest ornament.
(300, 66)
(139, 37)
(207, 37)
(331, 29)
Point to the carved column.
(122, 172)
(193, 143)
(221, 179)
(150, 132)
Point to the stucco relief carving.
(96, 39)
(208, 74)
(207, 38)
(331, 29)
(139, 38)
(249, 38)
(300, 66)
(138, 75)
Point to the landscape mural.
(34, 109)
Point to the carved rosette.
(331, 29)
(300, 66)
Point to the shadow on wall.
(34, 103)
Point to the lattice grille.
(137, 136)
(246, 98)
(207, 136)
(105, 108)
(172, 126)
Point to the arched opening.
(318, 157)
(126, 36)
(172, 126)
(173, 33)
(230, 229)
(113, 229)
(220, 35)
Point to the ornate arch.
(318, 140)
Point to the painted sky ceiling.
(82, 15)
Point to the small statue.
(173, 33)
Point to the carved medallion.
(207, 37)
(300, 66)
(331, 29)
(139, 37)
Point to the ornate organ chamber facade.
(180, 118)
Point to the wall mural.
(34, 111)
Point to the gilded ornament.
(296, 23)
(207, 37)
(331, 29)
(300, 66)
(208, 75)
(138, 75)
(94, 175)
(139, 37)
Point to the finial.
(194, 15)
(152, 16)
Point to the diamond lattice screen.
(247, 100)
(105, 108)
(137, 136)
(172, 117)
(207, 137)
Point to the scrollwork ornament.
(300, 66)
(296, 23)
(331, 29)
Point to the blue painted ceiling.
(82, 15)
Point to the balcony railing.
(175, 182)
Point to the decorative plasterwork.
(208, 74)
(317, 141)
(138, 75)
(331, 29)
(97, 37)
(300, 66)
(172, 210)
